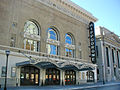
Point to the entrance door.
(70, 77)
(52, 76)
(29, 76)
(90, 76)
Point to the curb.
(87, 87)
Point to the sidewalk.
(66, 87)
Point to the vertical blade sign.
(92, 42)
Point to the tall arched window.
(69, 45)
(68, 39)
(52, 34)
(31, 36)
(52, 41)
(31, 28)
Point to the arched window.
(52, 34)
(52, 38)
(31, 30)
(69, 41)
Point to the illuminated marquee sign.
(92, 42)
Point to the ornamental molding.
(112, 39)
(113, 45)
(34, 60)
(54, 42)
(35, 57)
(87, 66)
(69, 46)
(70, 9)
(61, 63)
(70, 63)
(30, 36)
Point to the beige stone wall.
(14, 13)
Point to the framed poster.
(13, 72)
(3, 71)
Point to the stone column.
(103, 61)
(112, 68)
(95, 74)
(18, 75)
(61, 77)
(118, 66)
(42, 76)
(111, 63)
(85, 79)
(77, 77)
(116, 63)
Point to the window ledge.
(54, 42)
(69, 46)
(31, 36)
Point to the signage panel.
(92, 42)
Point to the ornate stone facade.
(44, 36)
(108, 55)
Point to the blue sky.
(107, 12)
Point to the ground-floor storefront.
(40, 71)
(32, 75)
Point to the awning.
(23, 63)
(69, 67)
(40, 64)
(85, 69)
(60, 65)
(46, 65)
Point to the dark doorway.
(90, 76)
(70, 77)
(29, 76)
(114, 71)
(52, 76)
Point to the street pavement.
(113, 87)
(97, 86)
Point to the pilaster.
(18, 76)
(42, 77)
(95, 74)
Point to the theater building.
(48, 43)
(108, 55)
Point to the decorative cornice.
(41, 56)
(71, 9)
(108, 37)
(78, 9)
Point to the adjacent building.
(48, 43)
(108, 55)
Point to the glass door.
(29, 76)
(90, 76)
(52, 76)
(70, 77)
